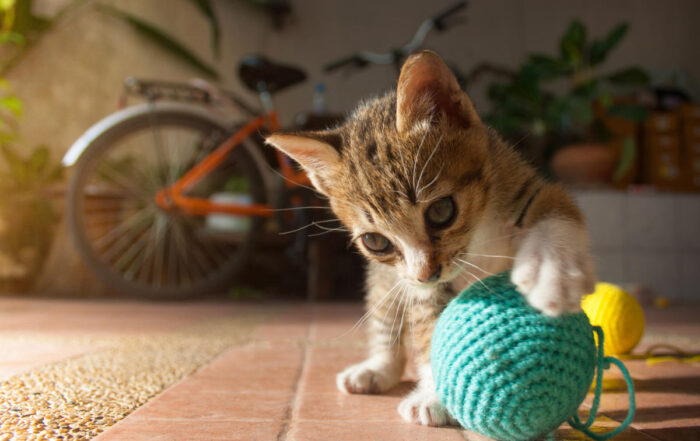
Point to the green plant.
(27, 215)
(172, 44)
(278, 9)
(532, 102)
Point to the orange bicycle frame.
(174, 196)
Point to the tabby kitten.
(437, 201)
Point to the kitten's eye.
(376, 243)
(440, 213)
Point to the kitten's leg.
(422, 406)
(383, 368)
(553, 265)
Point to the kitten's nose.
(435, 276)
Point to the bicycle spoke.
(158, 142)
(123, 227)
(147, 270)
(160, 250)
(195, 253)
(179, 246)
(123, 181)
(171, 257)
(115, 248)
(131, 253)
(133, 271)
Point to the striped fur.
(384, 167)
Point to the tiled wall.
(646, 238)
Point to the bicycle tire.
(215, 281)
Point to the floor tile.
(322, 366)
(344, 431)
(137, 429)
(252, 368)
(202, 406)
(602, 425)
(18, 357)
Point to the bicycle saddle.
(256, 69)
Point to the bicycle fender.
(81, 144)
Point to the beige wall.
(72, 77)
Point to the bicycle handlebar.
(361, 59)
(439, 19)
(355, 60)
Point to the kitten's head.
(407, 172)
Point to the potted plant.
(27, 214)
(560, 107)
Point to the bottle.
(319, 99)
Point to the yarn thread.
(604, 363)
(506, 371)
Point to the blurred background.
(597, 94)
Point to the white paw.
(374, 375)
(424, 407)
(553, 267)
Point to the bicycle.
(168, 198)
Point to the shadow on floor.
(401, 389)
(688, 385)
(675, 433)
(665, 413)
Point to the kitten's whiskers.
(476, 279)
(496, 256)
(474, 266)
(366, 316)
(403, 313)
(430, 183)
(415, 161)
(420, 177)
(311, 224)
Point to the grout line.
(293, 404)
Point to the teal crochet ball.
(505, 370)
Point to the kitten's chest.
(491, 251)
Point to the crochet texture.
(506, 371)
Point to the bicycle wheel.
(140, 249)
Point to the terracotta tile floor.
(280, 385)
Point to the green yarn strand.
(602, 364)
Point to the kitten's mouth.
(446, 277)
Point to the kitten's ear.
(429, 91)
(316, 152)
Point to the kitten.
(436, 201)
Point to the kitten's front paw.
(424, 407)
(372, 376)
(553, 267)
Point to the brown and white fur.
(383, 170)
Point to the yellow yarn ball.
(618, 313)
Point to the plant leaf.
(15, 164)
(205, 8)
(601, 48)
(627, 158)
(26, 22)
(628, 111)
(573, 44)
(12, 37)
(38, 160)
(12, 104)
(163, 40)
(580, 110)
(588, 89)
(6, 4)
(549, 67)
(633, 76)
